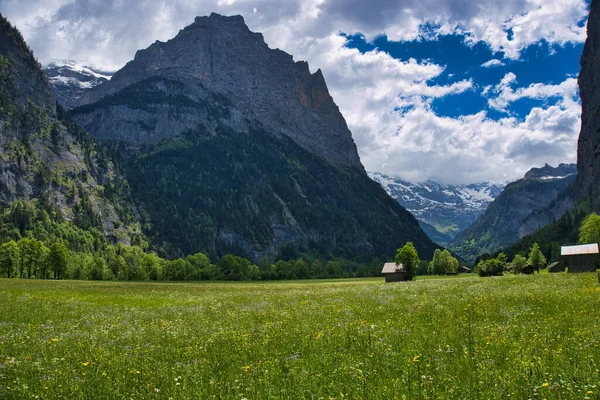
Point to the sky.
(456, 91)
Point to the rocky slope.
(588, 146)
(231, 146)
(219, 57)
(69, 79)
(442, 210)
(509, 216)
(47, 159)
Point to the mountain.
(588, 145)
(46, 159)
(230, 146)
(502, 223)
(559, 222)
(69, 79)
(442, 210)
(218, 60)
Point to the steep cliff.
(219, 56)
(588, 146)
(48, 160)
(231, 146)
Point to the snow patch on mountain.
(447, 208)
(69, 79)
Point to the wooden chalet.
(556, 267)
(393, 272)
(580, 258)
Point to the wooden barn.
(527, 269)
(464, 270)
(580, 258)
(556, 267)
(393, 272)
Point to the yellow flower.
(85, 364)
(54, 340)
(416, 358)
(246, 368)
(546, 384)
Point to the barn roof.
(579, 249)
(554, 264)
(391, 268)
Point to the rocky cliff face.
(258, 86)
(588, 146)
(232, 147)
(44, 158)
(512, 214)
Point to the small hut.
(527, 269)
(464, 270)
(393, 272)
(580, 258)
(556, 267)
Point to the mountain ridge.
(512, 214)
(232, 147)
(451, 208)
(266, 87)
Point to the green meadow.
(519, 337)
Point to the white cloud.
(492, 63)
(369, 88)
(504, 94)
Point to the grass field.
(469, 338)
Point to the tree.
(97, 269)
(58, 259)
(536, 258)
(408, 257)
(32, 256)
(518, 263)
(435, 265)
(9, 258)
(589, 231)
(448, 264)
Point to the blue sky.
(462, 61)
(457, 91)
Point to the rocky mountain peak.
(549, 172)
(262, 86)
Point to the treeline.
(36, 243)
(29, 258)
(497, 266)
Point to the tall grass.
(507, 337)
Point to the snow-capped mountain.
(443, 210)
(68, 79)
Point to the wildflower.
(54, 340)
(85, 364)
(417, 358)
(546, 384)
(246, 369)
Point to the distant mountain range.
(514, 213)
(442, 210)
(70, 79)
